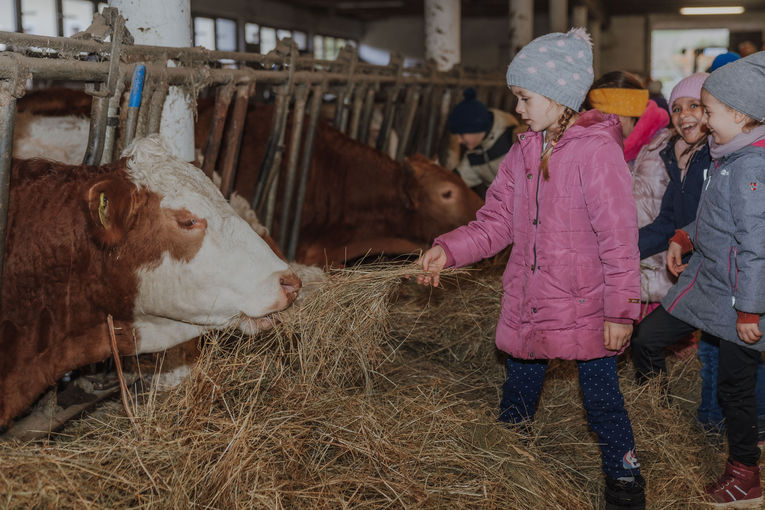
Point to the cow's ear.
(110, 204)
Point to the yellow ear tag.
(103, 203)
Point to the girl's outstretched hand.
(615, 335)
(432, 261)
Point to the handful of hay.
(374, 393)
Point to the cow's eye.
(447, 194)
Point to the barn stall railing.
(414, 103)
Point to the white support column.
(579, 16)
(521, 24)
(558, 15)
(443, 37)
(596, 39)
(165, 23)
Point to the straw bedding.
(374, 393)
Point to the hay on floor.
(375, 393)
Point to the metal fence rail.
(414, 101)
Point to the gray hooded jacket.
(726, 272)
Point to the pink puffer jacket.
(575, 260)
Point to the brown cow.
(358, 200)
(149, 240)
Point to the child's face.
(724, 122)
(688, 119)
(471, 140)
(537, 111)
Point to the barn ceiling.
(374, 10)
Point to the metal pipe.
(358, 103)
(301, 95)
(383, 138)
(7, 117)
(234, 137)
(433, 120)
(366, 113)
(112, 121)
(305, 166)
(157, 104)
(142, 125)
(100, 102)
(63, 69)
(410, 106)
(266, 173)
(99, 109)
(136, 91)
(276, 164)
(220, 112)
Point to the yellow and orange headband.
(626, 102)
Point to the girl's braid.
(563, 124)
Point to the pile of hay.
(375, 393)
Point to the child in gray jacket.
(720, 289)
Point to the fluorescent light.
(690, 11)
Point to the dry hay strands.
(332, 410)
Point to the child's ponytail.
(563, 124)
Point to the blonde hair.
(563, 123)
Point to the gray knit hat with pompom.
(557, 66)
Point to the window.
(301, 39)
(251, 33)
(204, 32)
(39, 17)
(78, 14)
(8, 15)
(267, 39)
(328, 48)
(225, 34)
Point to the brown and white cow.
(358, 201)
(149, 240)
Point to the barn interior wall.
(485, 43)
(280, 15)
(623, 45)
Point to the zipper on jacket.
(696, 237)
(536, 220)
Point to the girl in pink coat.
(563, 198)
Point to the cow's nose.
(291, 285)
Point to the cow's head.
(441, 199)
(200, 266)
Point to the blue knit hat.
(722, 59)
(557, 66)
(470, 115)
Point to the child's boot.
(622, 494)
(738, 487)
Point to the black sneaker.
(621, 494)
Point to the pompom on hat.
(470, 115)
(557, 66)
(688, 87)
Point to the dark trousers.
(736, 382)
(602, 400)
(736, 376)
(652, 335)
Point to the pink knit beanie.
(688, 87)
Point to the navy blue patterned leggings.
(603, 402)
